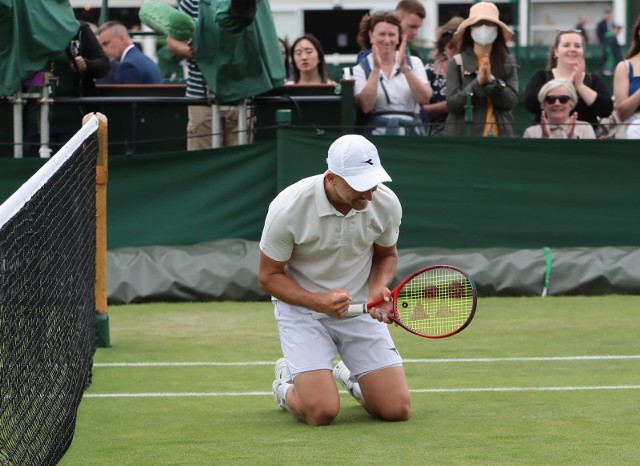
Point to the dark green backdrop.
(456, 193)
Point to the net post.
(102, 315)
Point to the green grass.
(525, 422)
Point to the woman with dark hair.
(309, 66)
(389, 86)
(626, 86)
(284, 51)
(445, 48)
(483, 75)
(566, 61)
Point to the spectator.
(412, 15)
(557, 98)
(445, 48)
(199, 129)
(626, 84)
(135, 67)
(284, 50)
(389, 85)
(309, 66)
(566, 61)
(607, 32)
(581, 28)
(75, 71)
(483, 75)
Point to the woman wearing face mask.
(566, 61)
(483, 77)
(557, 97)
(309, 66)
(390, 85)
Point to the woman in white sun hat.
(482, 79)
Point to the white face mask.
(484, 35)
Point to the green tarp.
(31, 32)
(238, 60)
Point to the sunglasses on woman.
(551, 99)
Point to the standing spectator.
(328, 240)
(199, 129)
(483, 75)
(389, 85)
(607, 32)
(135, 67)
(284, 50)
(75, 71)
(581, 27)
(412, 15)
(309, 66)
(626, 85)
(445, 48)
(557, 98)
(566, 61)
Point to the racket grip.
(354, 310)
(357, 309)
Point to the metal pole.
(18, 105)
(242, 123)
(104, 12)
(45, 150)
(215, 126)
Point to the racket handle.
(357, 309)
(354, 310)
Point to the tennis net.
(47, 303)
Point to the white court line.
(408, 361)
(425, 390)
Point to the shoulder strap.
(364, 63)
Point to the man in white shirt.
(330, 240)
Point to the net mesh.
(47, 311)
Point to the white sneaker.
(342, 375)
(282, 376)
(282, 371)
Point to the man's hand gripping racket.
(434, 302)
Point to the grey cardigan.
(503, 94)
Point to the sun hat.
(355, 159)
(483, 11)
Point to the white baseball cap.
(355, 159)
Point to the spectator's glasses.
(551, 99)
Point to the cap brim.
(368, 180)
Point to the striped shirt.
(196, 85)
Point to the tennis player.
(329, 241)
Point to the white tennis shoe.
(342, 375)
(283, 376)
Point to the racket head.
(435, 302)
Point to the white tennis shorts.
(363, 343)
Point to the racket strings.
(436, 302)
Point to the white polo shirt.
(397, 97)
(326, 250)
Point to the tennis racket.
(434, 302)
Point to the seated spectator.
(482, 78)
(389, 86)
(135, 67)
(557, 97)
(445, 48)
(309, 66)
(566, 61)
(626, 84)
